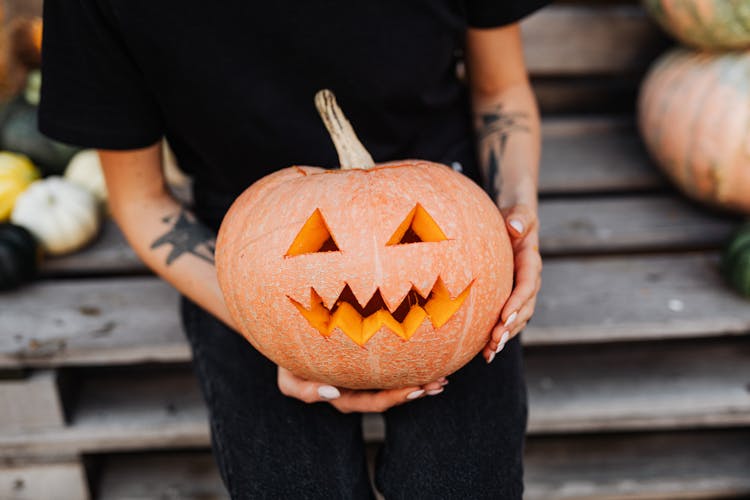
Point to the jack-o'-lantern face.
(384, 277)
(360, 321)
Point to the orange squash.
(370, 276)
(706, 24)
(694, 117)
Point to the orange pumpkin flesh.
(366, 278)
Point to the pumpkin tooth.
(360, 322)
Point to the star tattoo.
(187, 236)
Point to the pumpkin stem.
(352, 154)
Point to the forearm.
(508, 135)
(165, 236)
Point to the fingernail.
(444, 381)
(492, 356)
(415, 394)
(502, 342)
(435, 392)
(517, 225)
(328, 392)
(510, 319)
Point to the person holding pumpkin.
(231, 88)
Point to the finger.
(519, 220)
(527, 284)
(379, 401)
(310, 392)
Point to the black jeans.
(465, 443)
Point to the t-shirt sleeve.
(495, 13)
(93, 92)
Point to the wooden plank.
(707, 464)
(109, 254)
(628, 224)
(588, 39)
(187, 476)
(575, 389)
(31, 403)
(592, 299)
(603, 299)
(48, 481)
(692, 465)
(594, 156)
(123, 320)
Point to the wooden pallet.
(637, 360)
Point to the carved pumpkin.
(694, 116)
(705, 24)
(371, 276)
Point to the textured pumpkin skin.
(706, 24)
(694, 117)
(19, 256)
(735, 262)
(362, 208)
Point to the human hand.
(523, 228)
(348, 400)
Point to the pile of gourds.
(51, 194)
(694, 111)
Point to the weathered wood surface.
(592, 299)
(590, 39)
(43, 481)
(109, 254)
(594, 155)
(31, 402)
(628, 224)
(573, 389)
(710, 464)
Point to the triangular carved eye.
(417, 227)
(313, 237)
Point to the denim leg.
(466, 443)
(268, 445)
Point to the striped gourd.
(707, 24)
(694, 117)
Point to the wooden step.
(642, 386)
(592, 299)
(568, 226)
(581, 155)
(679, 465)
(63, 480)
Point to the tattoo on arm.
(493, 129)
(187, 236)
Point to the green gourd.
(735, 263)
(20, 255)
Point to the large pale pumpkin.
(694, 116)
(371, 276)
(707, 24)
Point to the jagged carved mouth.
(360, 323)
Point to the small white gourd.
(60, 214)
(85, 170)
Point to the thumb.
(519, 220)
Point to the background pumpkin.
(372, 276)
(19, 132)
(19, 256)
(735, 264)
(85, 170)
(16, 174)
(694, 117)
(707, 24)
(61, 215)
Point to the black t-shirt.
(231, 84)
